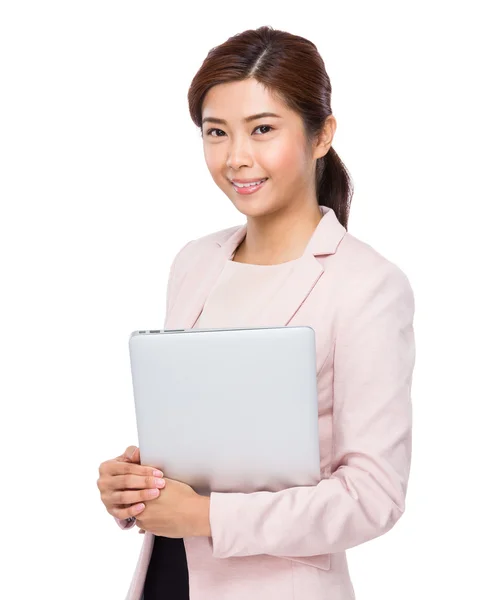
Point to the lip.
(247, 180)
(248, 191)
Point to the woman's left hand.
(178, 512)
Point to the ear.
(325, 137)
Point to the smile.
(248, 188)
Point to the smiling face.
(269, 146)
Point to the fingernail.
(139, 507)
(160, 482)
(157, 473)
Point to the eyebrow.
(245, 120)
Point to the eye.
(266, 126)
(258, 127)
(214, 129)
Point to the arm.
(174, 278)
(365, 495)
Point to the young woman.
(262, 102)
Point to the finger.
(128, 454)
(127, 512)
(133, 482)
(132, 455)
(132, 497)
(130, 450)
(135, 456)
(115, 467)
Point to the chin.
(255, 209)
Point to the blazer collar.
(203, 272)
(324, 240)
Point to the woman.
(262, 102)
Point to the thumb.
(132, 454)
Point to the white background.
(103, 180)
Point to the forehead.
(238, 99)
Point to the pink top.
(241, 291)
(292, 543)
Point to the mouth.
(249, 188)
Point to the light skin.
(281, 217)
(125, 486)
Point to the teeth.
(240, 185)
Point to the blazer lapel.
(306, 272)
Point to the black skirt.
(167, 576)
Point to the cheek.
(214, 163)
(209, 157)
(281, 162)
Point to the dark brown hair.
(292, 70)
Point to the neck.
(279, 237)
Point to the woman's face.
(272, 147)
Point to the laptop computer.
(228, 410)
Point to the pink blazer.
(291, 544)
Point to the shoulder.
(206, 243)
(216, 237)
(366, 273)
(200, 247)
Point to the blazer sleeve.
(171, 286)
(174, 278)
(373, 361)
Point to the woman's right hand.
(124, 484)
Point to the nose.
(239, 155)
